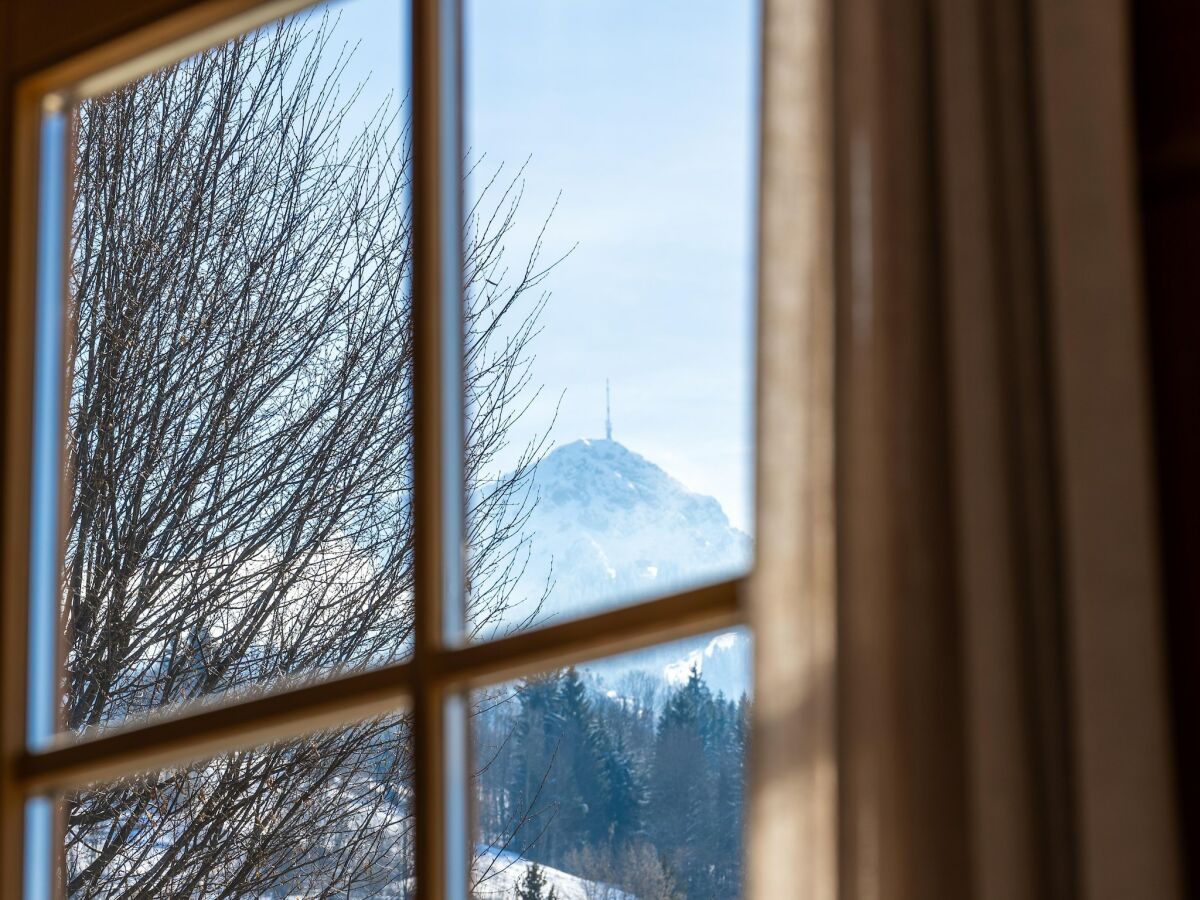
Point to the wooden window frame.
(795, 355)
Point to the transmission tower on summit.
(607, 412)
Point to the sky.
(638, 118)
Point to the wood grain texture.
(793, 806)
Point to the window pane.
(618, 779)
(326, 815)
(239, 416)
(611, 150)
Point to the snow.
(611, 527)
(504, 870)
(677, 673)
(722, 642)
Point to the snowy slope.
(502, 871)
(611, 527)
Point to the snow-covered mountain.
(611, 527)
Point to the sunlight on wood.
(794, 783)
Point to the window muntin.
(439, 673)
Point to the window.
(924, 697)
(273, 715)
(994, 642)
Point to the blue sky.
(640, 113)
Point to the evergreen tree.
(662, 818)
(533, 885)
(684, 815)
(729, 755)
(581, 818)
(624, 796)
(534, 795)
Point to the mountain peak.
(601, 474)
(611, 527)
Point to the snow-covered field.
(502, 871)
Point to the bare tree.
(635, 871)
(240, 439)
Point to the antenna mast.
(607, 412)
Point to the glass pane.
(238, 422)
(620, 779)
(325, 816)
(611, 149)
